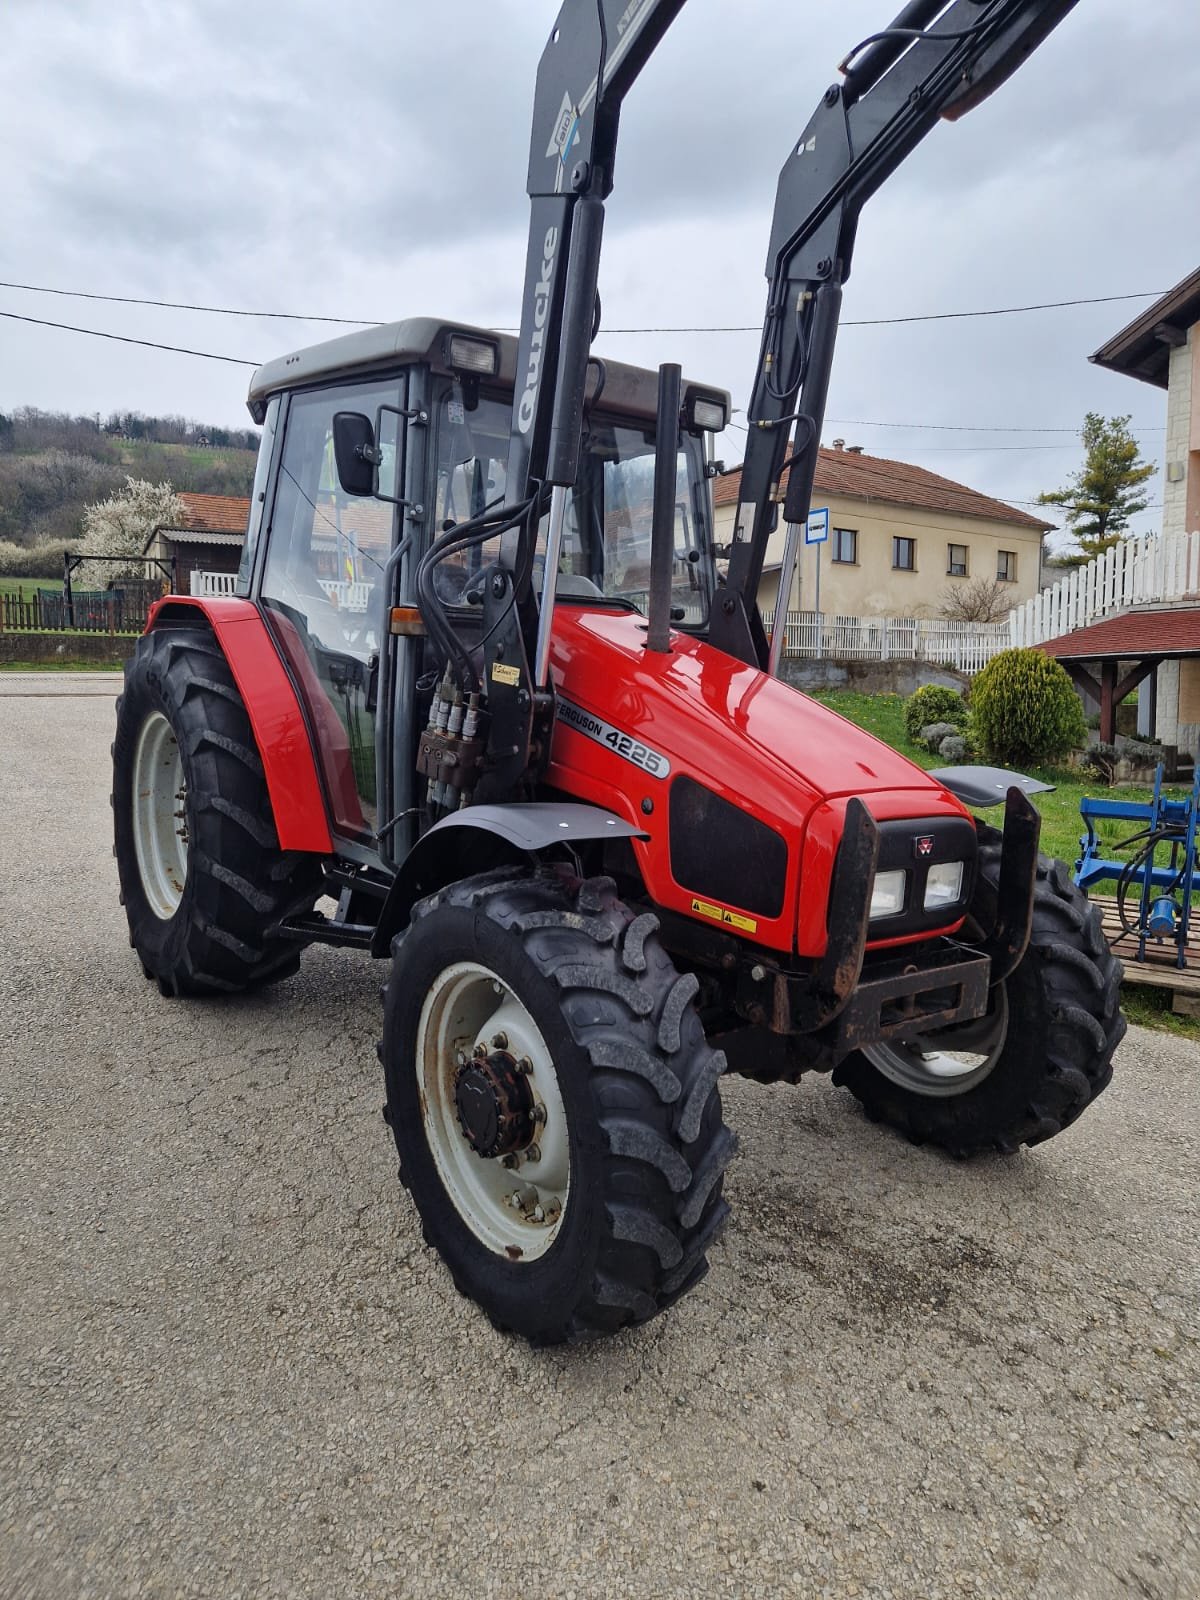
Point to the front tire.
(1036, 1062)
(540, 1044)
(203, 880)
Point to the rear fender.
(278, 724)
(483, 837)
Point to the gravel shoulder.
(229, 1366)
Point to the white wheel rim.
(160, 834)
(468, 1006)
(934, 1066)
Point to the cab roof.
(632, 390)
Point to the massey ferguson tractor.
(484, 704)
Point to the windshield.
(606, 539)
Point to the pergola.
(1139, 639)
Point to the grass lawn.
(883, 715)
(28, 585)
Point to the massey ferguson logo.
(923, 844)
(541, 309)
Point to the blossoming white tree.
(120, 526)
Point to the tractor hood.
(738, 784)
(744, 732)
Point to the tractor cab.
(377, 444)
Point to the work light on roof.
(472, 355)
(704, 413)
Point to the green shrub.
(932, 703)
(1024, 709)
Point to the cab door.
(323, 591)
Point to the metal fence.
(967, 646)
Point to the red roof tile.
(216, 513)
(863, 477)
(1136, 633)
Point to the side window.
(323, 588)
(258, 496)
(472, 452)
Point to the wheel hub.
(495, 1104)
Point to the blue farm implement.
(1156, 882)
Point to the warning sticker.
(502, 672)
(731, 919)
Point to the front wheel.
(1036, 1060)
(554, 1103)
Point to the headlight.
(943, 886)
(887, 894)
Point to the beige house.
(900, 539)
(1162, 347)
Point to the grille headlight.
(887, 894)
(943, 886)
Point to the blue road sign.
(816, 529)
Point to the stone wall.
(94, 649)
(870, 677)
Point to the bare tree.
(980, 600)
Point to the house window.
(1006, 566)
(956, 560)
(904, 555)
(845, 546)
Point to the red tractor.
(484, 688)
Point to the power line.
(183, 305)
(866, 322)
(122, 338)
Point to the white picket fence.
(968, 646)
(348, 596)
(1156, 567)
(212, 584)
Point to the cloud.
(370, 161)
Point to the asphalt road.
(230, 1368)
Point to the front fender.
(482, 837)
(280, 731)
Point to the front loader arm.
(937, 60)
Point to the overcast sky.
(369, 161)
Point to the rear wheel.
(203, 881)
(1040, 1056)
(554, 1103)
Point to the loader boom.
(937, 59)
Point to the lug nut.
(510, 1162)
(525, 1065)
(538, 1214)
(461, 1058)
(539, 1115)
(758, 973)
(500, 1041)
(532, 1153)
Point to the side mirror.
(354, 452)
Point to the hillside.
(52, 465)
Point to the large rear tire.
(1035, 1063)
(554, 1103)
(203, 881)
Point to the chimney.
(839, 444)
(854, 449)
